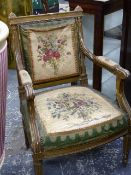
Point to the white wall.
(113, 20)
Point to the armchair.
(49, 52)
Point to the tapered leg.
(126, 148)
(37, 166)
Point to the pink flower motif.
(45, 58)
(59, 41)
(56, 54)
(49, 53)
(49, 50)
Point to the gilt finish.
(28, 97)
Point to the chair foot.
(125, 149)
(38, 167)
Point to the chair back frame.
(15, 23)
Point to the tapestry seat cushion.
(74, 115)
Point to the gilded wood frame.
(26, 91)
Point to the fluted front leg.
(37, 166)
(126, 143)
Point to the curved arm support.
(35, 142)
(121, 97)
(116, 69)
(103, 62)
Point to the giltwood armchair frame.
(27, 93)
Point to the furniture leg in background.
(125, 55)
(99, 9)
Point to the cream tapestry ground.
(50, 55)
(106, 160)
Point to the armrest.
(115, 69)
(112, 66)
(103, 62)
(26, 82)
(25, 77)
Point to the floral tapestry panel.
(52, 53)
(75, 108)
(74, 105)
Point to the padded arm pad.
(25, 77)
(112, 67)
(27, 84)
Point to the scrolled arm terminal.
(27, 84)
(112, 67)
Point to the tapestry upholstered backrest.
(50, 48)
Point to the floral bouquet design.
(79, 105)
(51, 50)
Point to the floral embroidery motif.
(67, 105)
(51, 50)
